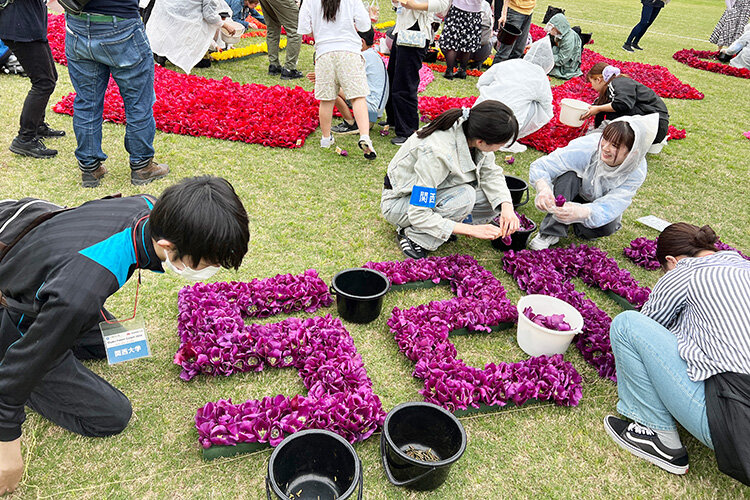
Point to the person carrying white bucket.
(597, 174)
(620, 95)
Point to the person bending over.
(620, 95)
(444, 180)
(56, 279)
(597, 174)
(686, 358)
(566, 48)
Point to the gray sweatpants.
(455, 203)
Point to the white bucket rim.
(572, 331)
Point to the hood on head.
(560, 22)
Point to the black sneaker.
(44, 130)
(290, 74)
(383, 123)
(398, 140)
(410, 248)
(345, 128)
(33, 147)
(448, 75)
(636, 46)
(628, 48)
(643, 442)
(460, 74)
(274, 69)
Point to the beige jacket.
(443, 160)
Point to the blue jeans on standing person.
(94, 51)
(652, 381)
(648, 15)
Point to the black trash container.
(517, 188)
(359, 293)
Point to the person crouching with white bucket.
(597, 175)
(444, 180)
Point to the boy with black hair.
(55, 280)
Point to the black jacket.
(728, 411)
(629, 98)
(24, 21)
(64, 269)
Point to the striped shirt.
(705, 303)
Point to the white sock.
(364, 137)
(670, 439)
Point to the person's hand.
(503, 18)
(486, 232)
(593, 110)
(374, 12)
(11, 465)
(508, 220)
(311, 76)
(229, 27)
(724, 50)
(404, 3)
(572, 212)
(545, 198)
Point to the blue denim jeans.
(652, 381)
(648, 16)
(96, 50)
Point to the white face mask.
(191, 274)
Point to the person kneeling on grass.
(686, 357)
(444, 180)
(597, 174)
(55, 280)
(377, 81)
(740, 47)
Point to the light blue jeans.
(94, 51)
(652, 381)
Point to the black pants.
(36, 59)
(648, 16)
(71, 395)
(403, 74)
(569, 185)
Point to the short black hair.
(205, 219)
(368, 36)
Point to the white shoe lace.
(640, 429)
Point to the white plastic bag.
(524, 88)
(540, 53)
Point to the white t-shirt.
(340, 34)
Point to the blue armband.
(423, 197)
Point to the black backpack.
(18, 217)
(551, 11)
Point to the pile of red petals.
(642, 251)
(422, 334)
(215, 341)
(702, 59)
(549, 272)
(275, 116)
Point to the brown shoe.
(91, 179)
(149, 173)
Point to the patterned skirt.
(732, 23)
(462, 31)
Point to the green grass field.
(310, 208)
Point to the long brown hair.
(682, 238)
(491, 121)
(330, 9)
(597, 70)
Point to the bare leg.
(325, 115)
(344, 109)
(359, 106)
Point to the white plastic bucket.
(655, 149)
(232, 39)
(571, 111)
(536, 340)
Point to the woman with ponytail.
(620, 95)
(686, 357)
(444, 180)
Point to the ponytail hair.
(598, 70)
(330, 9)
(491, 121)
(685, 239)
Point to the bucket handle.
(331, 290)
(361, 483)
(527, 199)
(387, 468)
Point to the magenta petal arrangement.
(642, 251)
(553, 321)
(549, 272)
(216, 341)
(422, 334)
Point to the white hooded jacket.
(609, 190)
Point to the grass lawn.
(310, 208)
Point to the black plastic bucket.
(517, 240)
(314, 464)
(420, 426)
(359, 293)
(517, 188)
(508, 34)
